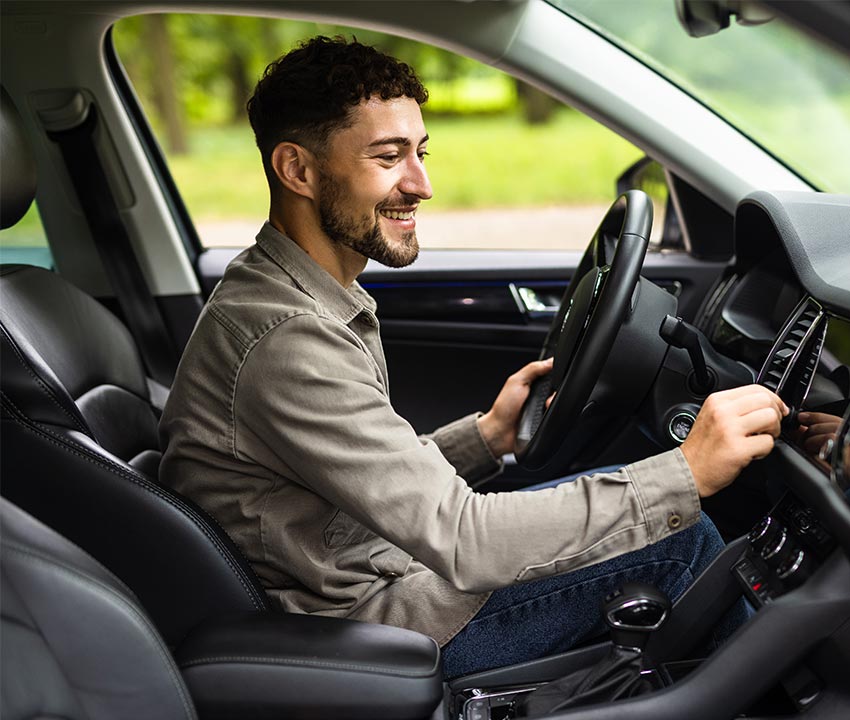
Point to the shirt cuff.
(667, 493)
(463, 446)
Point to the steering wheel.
(597, 303)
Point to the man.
(280, 422)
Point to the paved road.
(550, 228)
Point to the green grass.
(504, 162)
(475, 162)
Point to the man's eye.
(422, 155)
(391, 158)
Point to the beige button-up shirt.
(280, 425)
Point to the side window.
(511, 168)
(26, 242)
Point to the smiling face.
(372, 179)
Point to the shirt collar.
(344, 303)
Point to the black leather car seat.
(79, 441)
(76, 643)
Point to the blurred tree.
(163, 81)
(538, 107)
(199, 70)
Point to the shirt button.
(674, 522)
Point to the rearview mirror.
(707, 17)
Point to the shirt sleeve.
(310, 405)
(466, 450)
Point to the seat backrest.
(91, 372)
(79, 445)
(76, 643)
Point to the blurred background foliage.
(496, 141)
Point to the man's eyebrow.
(403, 141)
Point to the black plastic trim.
(812, 229)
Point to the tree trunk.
(537, 107)
(240, 89)
(164, 82)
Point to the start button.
(680, 425)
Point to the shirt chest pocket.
(344, 530)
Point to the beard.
(363, 234)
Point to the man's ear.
(295, 167)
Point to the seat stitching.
(40, 381)
(70, 446)
(76, 575)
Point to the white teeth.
(393, 215)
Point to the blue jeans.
(543, 617)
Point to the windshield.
(778, 85)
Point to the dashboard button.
(680, 426)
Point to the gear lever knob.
(632, 612)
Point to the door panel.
(453, 335)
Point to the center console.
(781, 662)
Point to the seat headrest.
(17, 171)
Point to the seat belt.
(112, 241)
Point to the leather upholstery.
(295, 666)
(80, 449)
(181, 565)
(87, 360)
(17, 171)
(79, 436)
(76, 644)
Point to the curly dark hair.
(308, 93)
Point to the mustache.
(401, 200)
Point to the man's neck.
(342, 263)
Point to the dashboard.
(783, 309)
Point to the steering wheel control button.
(680, 425)
(674, 522)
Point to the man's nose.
(415, 181)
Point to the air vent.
(791, 363)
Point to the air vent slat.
(780, 373)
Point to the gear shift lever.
(632, 612)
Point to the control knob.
(795, 568)
(764, 534)
(777, 549)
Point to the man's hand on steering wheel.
(733, 428)
(498, 426)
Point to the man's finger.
(754, 397)
(759, 446)
(534, 370)
(761, 420)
